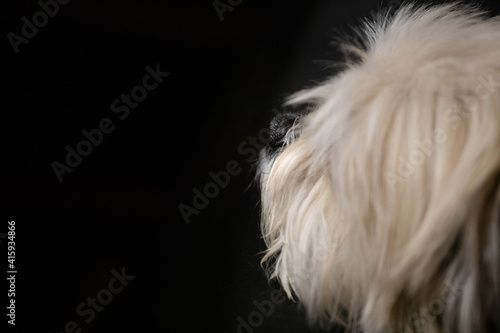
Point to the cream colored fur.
(383, 215)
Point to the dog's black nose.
(280, 125)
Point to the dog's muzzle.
(279, 128)
(283, 130)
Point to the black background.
(120, 207)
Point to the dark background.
(119, 209)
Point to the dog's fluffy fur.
(381, 210)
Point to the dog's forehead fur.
(390, 197)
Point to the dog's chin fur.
(383, 215)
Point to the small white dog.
(381, 204)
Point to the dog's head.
(381, 203)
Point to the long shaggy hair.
(381, 205)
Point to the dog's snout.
(280, 125)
